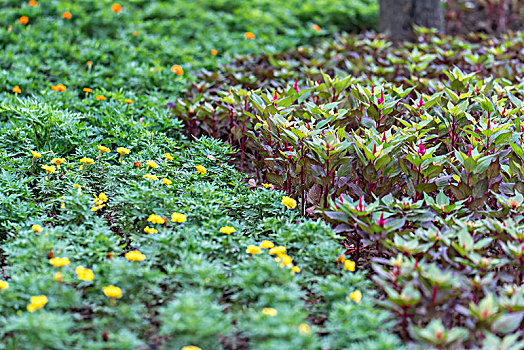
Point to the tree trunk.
(397, 17)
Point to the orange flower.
(17, 90)
(128, 100)
(23, 20)
(177, 69)
(88, 90)
(32, 3)
(214, 52)
(67, 15)
(60, 87)
(100, 97)
(89, 63)
(135, 33)
(10, 28)
(116, 8)
(249, 35)
(316, 27)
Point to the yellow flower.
(86, 161)
(36, 154)
(304, 329)
(58, 276)
(58, 161)
(135, 255)
(3, 285)
(269, 311)
(177, 217)
(59, 262)
(289, 202)
(286, 260)
(84, 274)
(191, 347)
(356, 296)
(268, 186)
(37, 228)
(166, 181)
(152, 164)
(37, 302)
(266, 245)
(150, 230)
(201, 169)
(49, 169)
(150, 177)
(155, 219)
(168, 156)
(113, 292)
(349, 265)
(227, 230)
(97, 206)
(295, 269)
(103, 149)
(123, 151)
(17, 89)
(277, 250)
(102, 196)
(77, 186)
(253, 249)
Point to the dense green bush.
(177, 284)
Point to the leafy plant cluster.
(138, 42)
(422, 176)
(118, 233)
(186, 244)
(208, 107)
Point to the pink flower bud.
(297, 89)
(421, 149)
(381, 222)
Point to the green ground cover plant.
(382, 208)
(117, 232)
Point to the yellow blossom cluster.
(289, 202)
(85, 161)
(58, 161)
(37, 228)
(227, 230)
(201, 169)
(152, 164)
(59, 262)
(99, 201)
(156, 219)
(135, 255)
(150, 177)
(37, 302)
(179, 218)
(112, 292)
(279, 252)
(84, 274)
